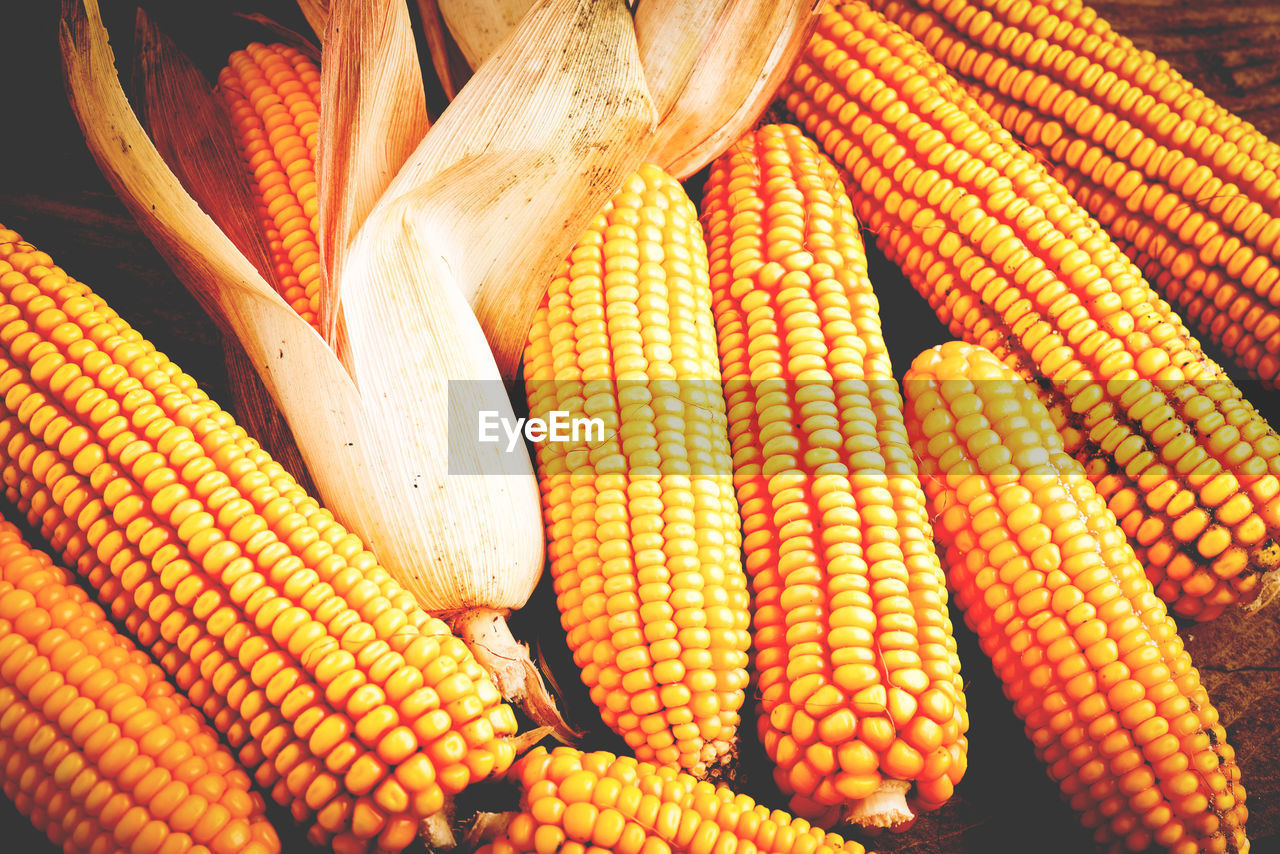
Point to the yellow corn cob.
(271, 93)
(642, 527)
(1009, 260)
(1160, 164)
(574, 803)
(96, 748)
(1048, 582)
(347, 701)
(858, 675)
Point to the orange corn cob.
(96, 748)
(350, 704)
(272, 94)
(642, 526)
(858, 675)
(574, 802)
(1048, 582)
(1171, 174)
(1010, 261)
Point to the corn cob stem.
(1009, 260)
(642, 524)
(577, 802)
(358, 710)
(487, 634)
(95, 746)
(1087, 653)
(858, 674)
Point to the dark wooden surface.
(52, 193)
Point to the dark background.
(52, 193)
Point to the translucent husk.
(317, 14)
(713, 68)
(373, 113)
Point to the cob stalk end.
(486, 632)
(437, 832)
(885, 807)
(1268, 592)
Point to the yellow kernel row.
(95, 746)
(858, 674)
(1198, 186)
(574, 803)
(1009, 260)
(642, 523)
(272, 94)
(360, 714)
(1047, 580)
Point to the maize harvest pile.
(784, 542)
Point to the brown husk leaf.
(373, 113)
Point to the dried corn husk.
(687, 48)
(450, 65)
(210, 169)
(317, 14)
(373, 114)
(711, 67)
(480, 26)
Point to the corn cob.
(1007, 258)
(1169, 172)
(271, 93)
(858, 674)
(642, 526)
(1048, 582)
(96, 748)
(355, 708)
(574, 802)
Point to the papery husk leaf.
(675, 32)
(286, 35)
(528, 153)
(414, 350)
(379, 455)
(480, 26)
(317, 14)
(373, 114)
(713, 68)
(450, 65)
(191, 132)
(508, 661)
(437, 832)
